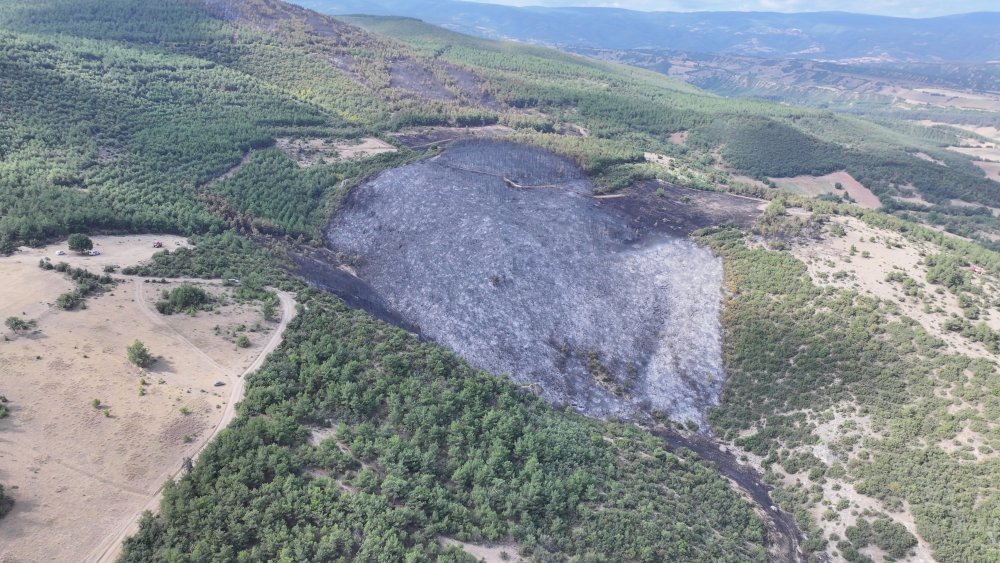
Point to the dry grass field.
(307, 152)
(78, 471)
(818, 185)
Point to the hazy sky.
(903, 8)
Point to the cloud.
(908, 8)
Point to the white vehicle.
(93, 252)
(60, 253)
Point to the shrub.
(18, 324)
(68, 301)
(243, 341)
(268, 311)
(185, 297)
(138, 354)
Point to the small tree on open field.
(138, 354)
(17, 324)
(80, 243)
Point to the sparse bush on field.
(138, 354)
(17, 324)
(185, 297)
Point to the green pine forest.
(141, 116)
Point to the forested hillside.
(356, 439)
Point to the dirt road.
(110, 548)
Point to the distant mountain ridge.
(828, 36)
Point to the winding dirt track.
(110, 548)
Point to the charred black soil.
(426, 137)
(659, 206)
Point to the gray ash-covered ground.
(540, 282)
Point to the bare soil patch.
(818, 185)
(988, 153)
(992, 169)
(678, 138)
(499, 553)
(574, 130)
(962, 203)
(214, 332)
(114, 251)
(76, 470)
(991, 132)
(309, 152)
(942, 97)
(659, 159)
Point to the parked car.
(60, 253)
(93, 252)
